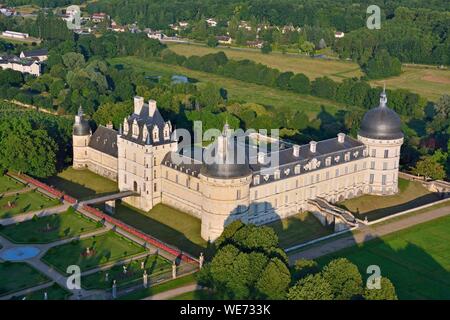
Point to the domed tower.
(225, 177)
(382, 134)
(80, 140)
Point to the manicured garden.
(54, 292)
(82, 184)
(416, 260)
(19, 276)
(50, 228)
(8, 184)
(154, 265)
(92, 252)
(300, 228)
(411, 195)
(25, 202)
(167, 224)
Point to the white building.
(211, 22)
(38, 54)
(30, 66)
(15, 35)
(142, 157)
(339, 34)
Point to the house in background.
(339, 34)
(30, 66)
(224, 39)
(15, 35)
(38, 54)
(211, 22)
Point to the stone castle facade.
(140, 157)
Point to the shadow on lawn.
(73, 189)
(383, 212)
(413, 271)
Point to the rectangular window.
(371, 178)
(386, 153)
(155, 187)
(385, 165)
(318, 177)
(337, 173)
(364, 165)
(176, 178)
(346, 170)
(374, 153)
(327, 175)
(238, 195)
(355, 168)
(372, 165)
(154, 161)
(383, 180)
(154, 173)
(256, 194)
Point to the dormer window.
(276, 175)
(155, 133)
(144, 133)
(166, 132)
(135, 129)
(347, 156)
(328, 161)
(297, 169)
(126, 127)
(256, 180)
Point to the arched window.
(135, 186)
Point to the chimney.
(261, 158)
(341, 137)
(151, 107)
(138, 104)
(296, 150)
(312, 146)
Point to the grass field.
(19, 276)
(152, 290)
(8, 184)
(299, 228)
(411, 195)
(82, 184)
(50, 228)
(167, 224)
(104, 248)
(54, 292)
(416, 260)
(312, 68)
(25, 202)
(153, 264)
(239, 90)
(428, 81)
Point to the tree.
(283, 80)
(311, 287)
(266, 48)
(304, 267)
(430, 168)
(344, 279)
(212, 42)
(324, 87)
(382, 65)
(300, 83)
(307, 47)
(248, 264)
(386, 292)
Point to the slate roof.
(35, 53)
(330, 148)
(104, 140)
(144, 119)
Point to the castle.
(140, 157)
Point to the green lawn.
(196, 295)
(312, 68)
(154, 265)
(411, 195)
(8, 184)
(152, 290)
(417, 259)
(82, 184)
(104, 248)
(25, 202)
(16, 276)
(54, 292)
(50, 228)
(240, 90)
(299, 228)
(167, 224)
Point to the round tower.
(382, 134)
(225, 185)
(80, 140)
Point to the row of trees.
(34, 143)
(249, 264)
(350, 91)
